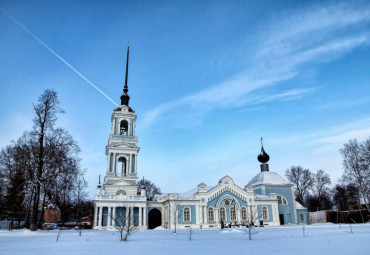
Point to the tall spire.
(125, 98)
(99, 185)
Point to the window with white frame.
(186, 214)
(122, 162)
(265, 214)
(211, 214)
(244, 213)
(232, 214)
(222, 214)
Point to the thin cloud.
(280, 58)
(305, 29)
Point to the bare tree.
(175, 213)
(79, 195)
(190, 234)
(303, 181)
(356, 162)
(252, 216)
(321, 182)
(124, 223)
(150, 189)
(45, 159)
(320, 200)
(52, 152)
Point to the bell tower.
(122, 150)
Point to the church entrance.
(154, 218)
(281, 218)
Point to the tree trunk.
(41, 219)
(27, 222)
(40, 168)
(35, 208)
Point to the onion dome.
(263, 157)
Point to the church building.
(267, 199)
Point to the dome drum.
(264, 167)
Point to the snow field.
(302, 239)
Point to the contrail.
(58, 56)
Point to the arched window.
(121, 170)
(282, 200)
(244, 213)
(211, 215)
(265, 213)
(186, 214)
(232, 214)
(133, 164)
(222, 214)
(121, 192)
(123, 127)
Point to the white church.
(266, 200)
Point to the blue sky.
(207, 79)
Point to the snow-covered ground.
(313, 239)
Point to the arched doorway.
(154, 218)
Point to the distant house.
(52, 214)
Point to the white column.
(238, 217)
(276, 214)
(132, 216)
(144, 218)
(95, 215)
(135, 168)
(108, 161)
(252, 213)
(100, 216)
(109, 218)
(114, 216)
(125, 170)
(129, 165)
(114, 164)
(114, 131)
(200, 214)
(204, 214)
(140, 215)
(126, 215)
(216, 215)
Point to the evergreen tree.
(319, 203)
(340, 197)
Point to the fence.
(317, 217)
(354, 216)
